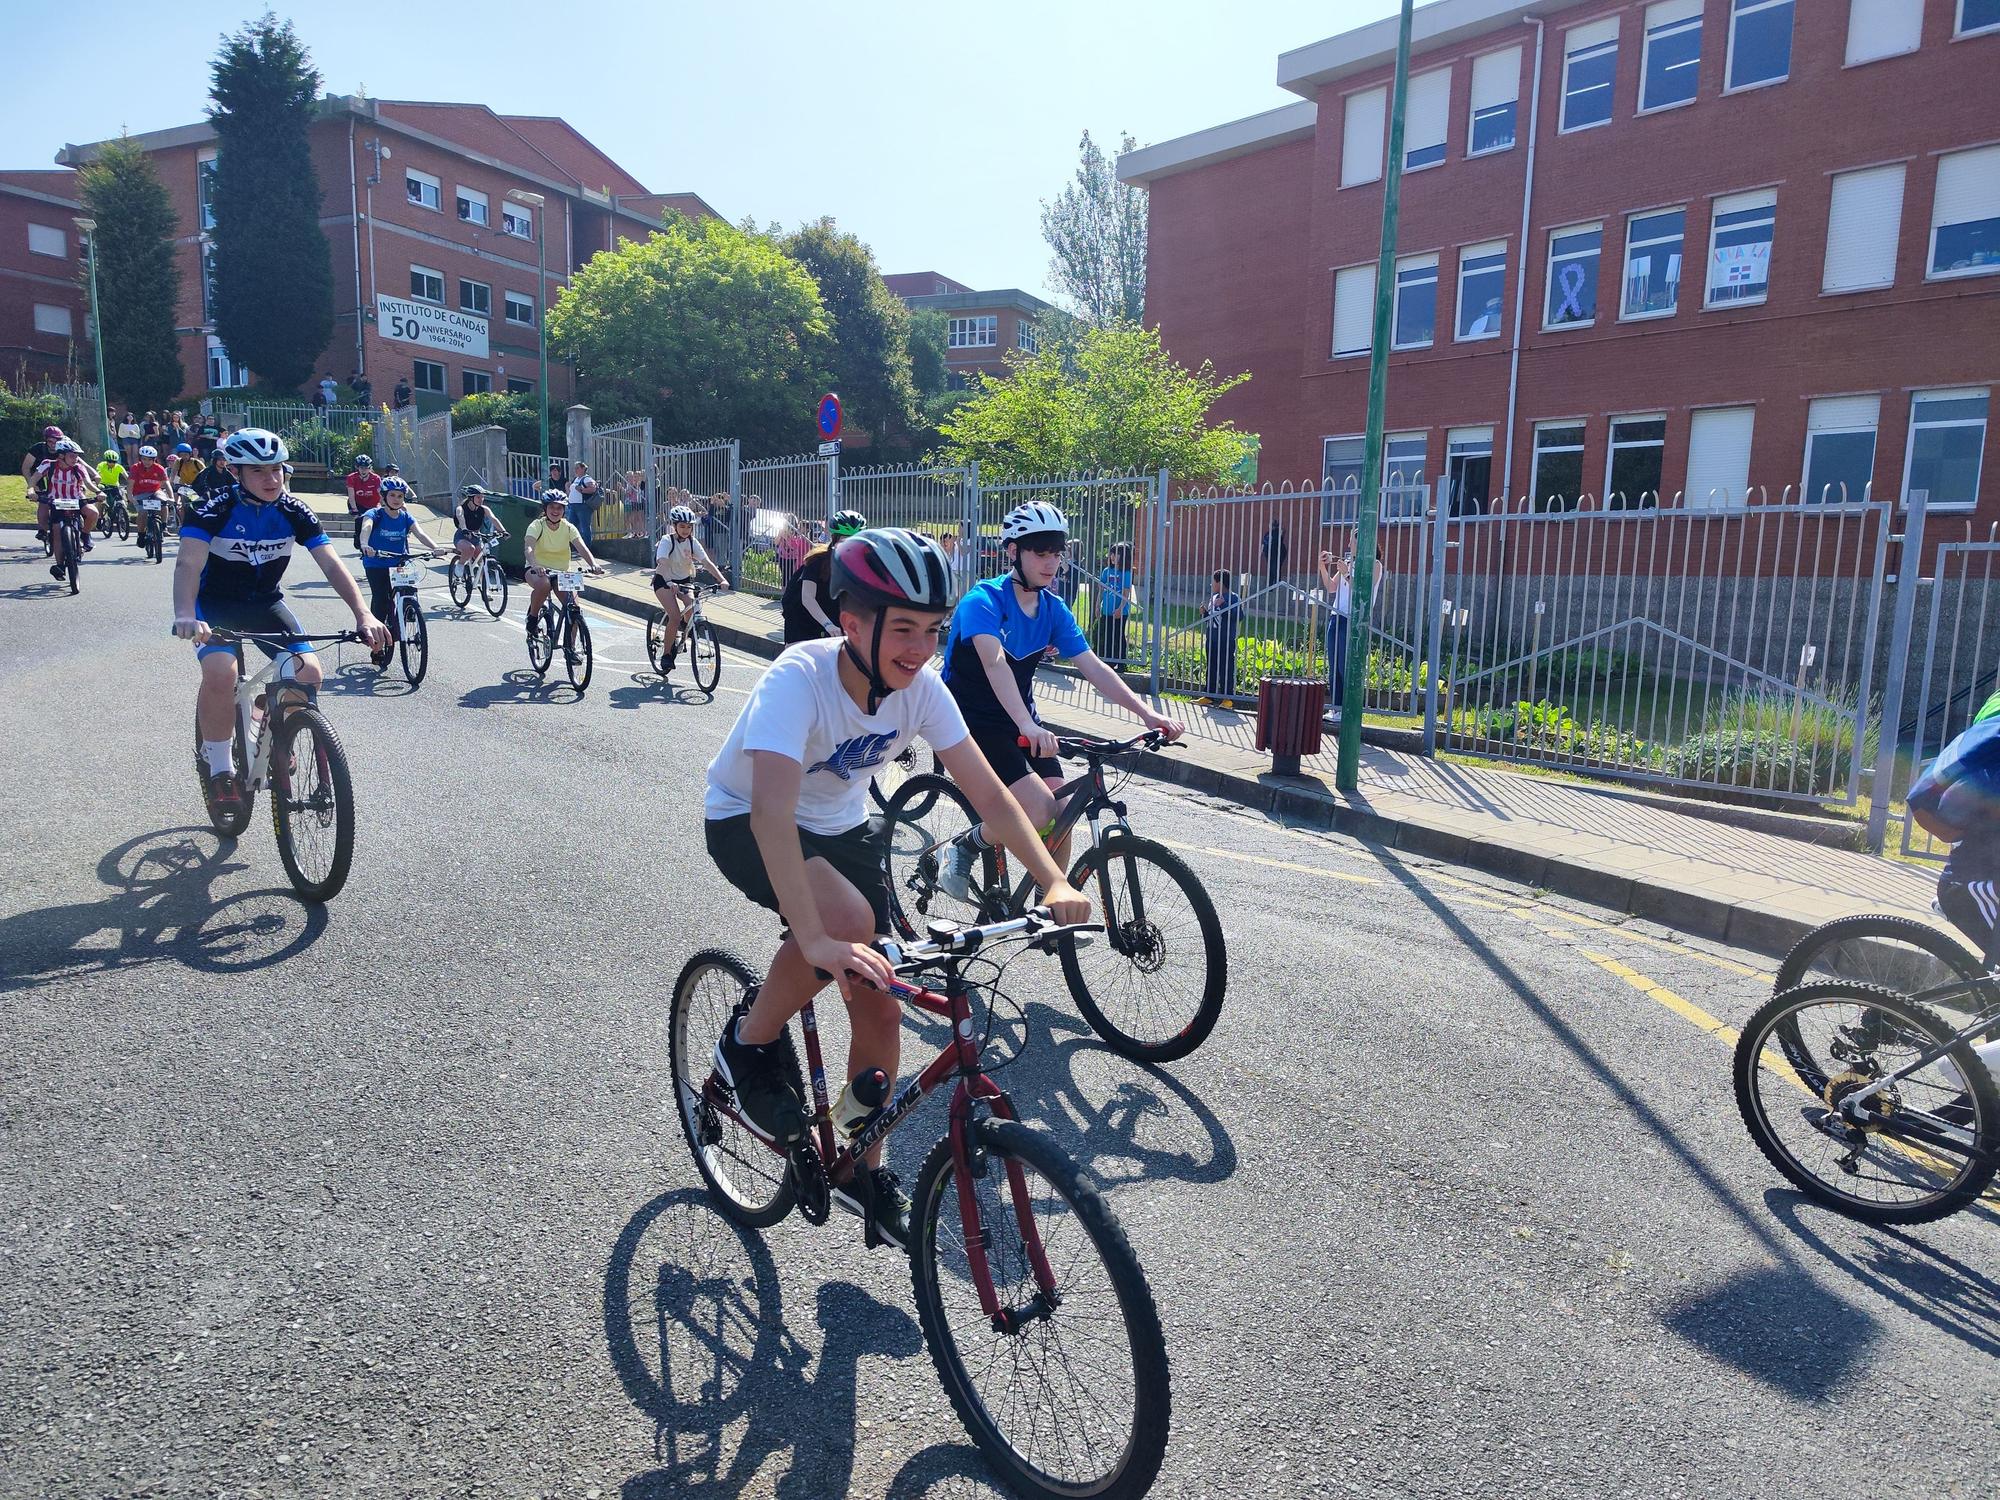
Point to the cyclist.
(786, 825)
(186, 467)
(476, 525)
(550, 542)
(40, 452)
(999, 634)
(151, 489)
(235, 548)
(111, 476)
(69, 485)
(674, 564)
(215, 478)
(385, 541)
(806, 605)
(364, 491)
(1957, 799)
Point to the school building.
(44, 309)
(981, 326)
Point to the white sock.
(979, 840)
(220, 759)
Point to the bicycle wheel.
(493, 589)
(576, 652)
(460, 579)
(1897, 953)
(73, 553)
(656, 643)
(1807, 1049)
(312, 805)
(892, 773)
(229, 825)
(924, 815)
(124, 525)
(1073, 1397)
(413, 640)
(542, 643)
(1152, 983)
(746, 1178)
(706, 657)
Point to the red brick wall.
(26, 279)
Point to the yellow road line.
(1275, 864)
(1687, 1010)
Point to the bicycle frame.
(1986, 986)
(1085, 796)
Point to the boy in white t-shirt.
(787, 824)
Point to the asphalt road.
(387, 1198)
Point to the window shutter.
(1424, 123)
(1862, 224)
(1496, 78)
(1883, 28)
(1667, 12)
(1968, 187)
(1836, 413)
(1719, 457)
(1361, 137)
(1595, 34)
(1353, 310)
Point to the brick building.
(434, 263)
(981, 326)
(1688, 247)
(44, 309)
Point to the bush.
(516, 411)
(1551, 728)
(314, 442)
(23, 415)
(1776, 741)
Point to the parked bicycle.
(698, 640)
(286, 745)
(491, 578)
(1035, 1309)
(563, 627)
(1154, 988)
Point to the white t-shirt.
(675, 559)
(800, 710)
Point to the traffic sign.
(828, 450)
(828, 416)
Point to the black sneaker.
(888, 1212)
(766, 1094)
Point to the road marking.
(1276, 864)
(1652, 989)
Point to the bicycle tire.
(656, 643)
(924, 810)
(1083, 1312)
(1835, 950)
(896, 770)
(1775, 1024)
(73, 554)
(576, 653)
(124, 525)
(705, 656)
(413, 641)
(1191, 1018)
(331, 803)
(542, 642)
(228, 825)
(459, 579)
(492, 583)
(747, 1181)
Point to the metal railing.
(779, 497)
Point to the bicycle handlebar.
(948, 940)
(1086, 747)
(232, 637)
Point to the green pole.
(1347, 768)
(97, 340)
(542, 326)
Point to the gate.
(616, 452)
(777, 494)
(701, 476)
(433, 474)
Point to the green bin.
(515, 514)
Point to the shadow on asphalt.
(695, 1326)
(161, 910)
(521, 685)
(360, 679)
(643, 691)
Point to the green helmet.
(111, 455)
(846, 523)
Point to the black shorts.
(250, 617)
(856, 854)
(681, 585)
(1003, 752)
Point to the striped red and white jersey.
(67, 482)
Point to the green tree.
(273, 302)
(871, 357)
(1096, 230)
(709, 328)
(1121, 404)
(137, 282)
(930, 334)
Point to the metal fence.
(1954, 620)
(780, 500)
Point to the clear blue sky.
(932, 130)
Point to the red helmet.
(889, 565)
(51, 432)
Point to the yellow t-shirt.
(550, 547)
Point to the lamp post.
(538, 204)
(89, 228)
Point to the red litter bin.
(1289, 711)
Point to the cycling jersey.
(110, 474)
(189, 469)
(550, 547)
(993, 608)
(391, 535)
(364, 488)
(65, 486)
(148, 477)
(675, 558)
(249, 544)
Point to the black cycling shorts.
(684, 585)
(1003, 752)
(856, 854)
(256, 617)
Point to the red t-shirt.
(364, 489)
(147, 477)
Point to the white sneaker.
(955, 869)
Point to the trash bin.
(1289, 710)
(515, 515)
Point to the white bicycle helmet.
(149, 451)
(681, 515)
(1032, 519)
(253, 445)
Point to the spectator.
(149, 430)
(329, 390)
(207, 433)
(791, 548)
(583, 501)
(318, 399)
(128, 437)
(1221, 619)
(364, 390)
(364, 490)
(1336, 581)
(632, 490)
(215, 478)
(176, 433)
(724, 516)
(1115, 598)
(1275, 552)
(401, 395)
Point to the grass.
(14, 504)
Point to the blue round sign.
(829, 416)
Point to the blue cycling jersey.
(992, 607)
(250, 543)
(391, 535)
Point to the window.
(1590, 61)
(475, 297)
(207, 282)
(1403, 474)
(1965, 215)
(1026, 337)
(472, 206)
(1840, 449)
(1558, 476)
(1653, 263)
(1862, 223)
(1353, 310)
(518, 387)
(44, 240)
(1362, 119)
(224, 373)
(1977, 15)
(476, 382)
(1739, 249)
(422, 188)
(204, 187)
(426, 375)
(520, 309)
(1638, 455)
(427, 285)
(1572, 295)
(1426, 120)
(1671, 63)
(1482, 284)
(1947, 441)
(982, 332)
(1760, 42)
(1340, 473)
(1719, 456)
(1882, 28)
(1496, 86)
(517, 220)
(52, 319)
(1414, 324)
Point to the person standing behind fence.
(632, 493)
(1276, 550)
(1115, 599)
(583, 502)
(1221, 617)
(128, 438)
(1336, 581)
(401, 395)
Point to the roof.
(649, 206)
(1288, 122)
(921, 283)
(562, 143)
(1010, 297)
(52, 184)
(1305, 70)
